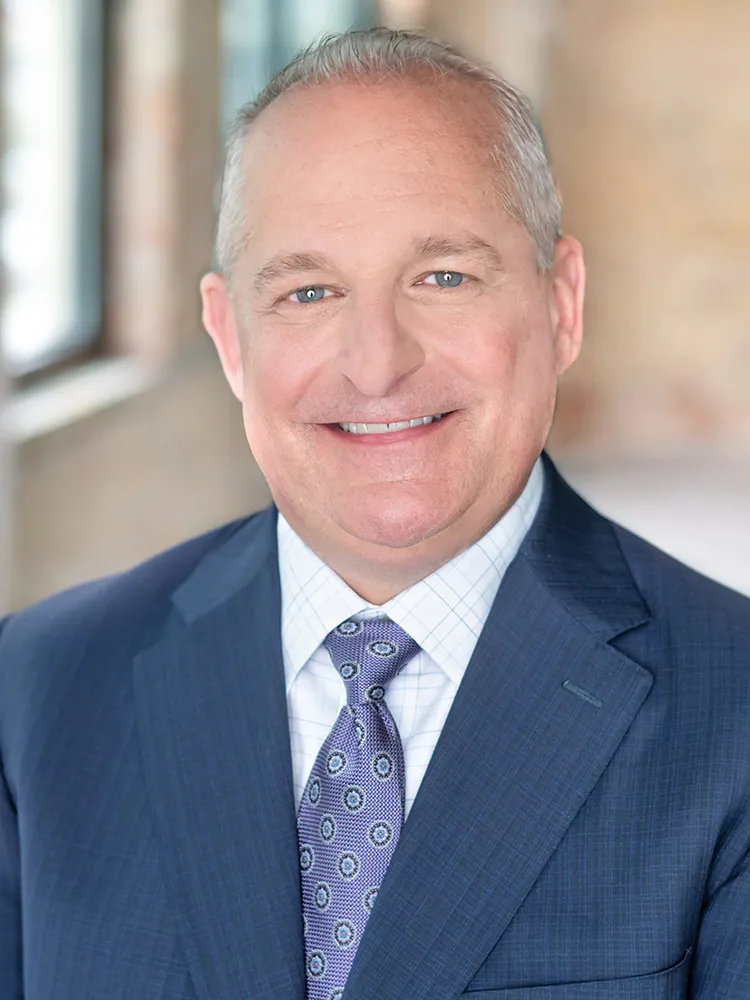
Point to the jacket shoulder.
(83, 634)
(684, 598)
(131, 592)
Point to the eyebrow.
(289, 263)
(463, 245)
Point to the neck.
(378, 588)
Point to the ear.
(567, 284)
(220, 322)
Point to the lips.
(388, 428)
(403, 435)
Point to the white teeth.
(400, 425)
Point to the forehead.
(344, 154)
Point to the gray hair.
(527, 189)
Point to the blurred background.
(118, 436)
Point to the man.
(429, 726)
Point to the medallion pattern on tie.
(352, 808)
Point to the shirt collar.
(444, 613)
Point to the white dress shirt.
(444, 613)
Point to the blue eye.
(312, 294)
(448, 279)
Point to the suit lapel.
(215, 741)
(540, 712)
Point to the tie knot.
(368, 655)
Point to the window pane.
(51, 168)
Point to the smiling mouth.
(399, 425)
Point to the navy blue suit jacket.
(582, 831)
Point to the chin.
(397, 525)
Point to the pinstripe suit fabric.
(582, 830)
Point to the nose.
(378, 351)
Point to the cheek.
(527, 346)
(512, 365)
(272, 376)
(502, 356)
(267, 397)
(278, 377)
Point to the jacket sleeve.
(11, 970)
(721, 969)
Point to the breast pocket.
(668, 984)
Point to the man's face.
(382, 282)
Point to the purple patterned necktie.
(353, 805)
